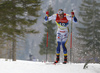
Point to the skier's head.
(60, 13)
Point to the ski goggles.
(61, 12)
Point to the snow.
(39, 67)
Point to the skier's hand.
(47, 14)
(72, 14)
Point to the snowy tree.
(89, 32)
(50, 28)
(16, 18)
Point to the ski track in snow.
(39, 67)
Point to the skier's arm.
(73, 16)
(53, 17)
(69, 17)
(75, 19)
(47, 18)
(47, 15)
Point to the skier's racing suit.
(62, 31)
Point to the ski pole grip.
(72, 13)
(47, 13)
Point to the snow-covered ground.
(39, 67)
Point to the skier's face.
(60, 15)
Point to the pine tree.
(15, 19)
(50, 28)
(89, 33)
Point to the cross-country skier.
(62, 20)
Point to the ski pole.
(47, 13)
(47, 40)
(71, 38)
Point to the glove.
(47, 14)
(72, 13)
(73, 16)
(46, 18)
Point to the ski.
(51, 63)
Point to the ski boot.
(65, 60)
(57, 59)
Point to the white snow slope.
(39, 67)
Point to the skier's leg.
(64, 47)
(64, 42)
(58, 47)
(64, 51)
(58, 51)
